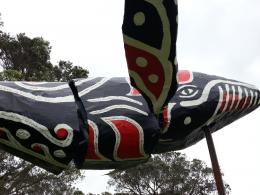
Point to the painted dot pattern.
(153, 78)
(59, 154)
(139, 18)
(23, 134)
(152, 75)
(141, 62)
(187, 120)
(37, 148)
(62, 133)
(2, 132)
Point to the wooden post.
(214, 161)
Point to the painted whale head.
(204, 100)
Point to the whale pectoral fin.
(150, 31)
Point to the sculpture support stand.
(214, 161)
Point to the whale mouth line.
(234, 98)
(206, 91)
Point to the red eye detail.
(62, 133)
(184, 76)
(37, 148)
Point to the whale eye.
(188, 91)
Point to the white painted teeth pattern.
(237, 98)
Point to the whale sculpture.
(38, 119)
(104, 123)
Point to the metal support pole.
(214, 161)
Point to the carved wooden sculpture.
(103, 123)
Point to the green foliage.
(106, 193)
(78, 192)
(102, 193)
(20, 177)
(11, 75)
(65, 71)
(30, 58)
(166, 174)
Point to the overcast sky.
(220, 37)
